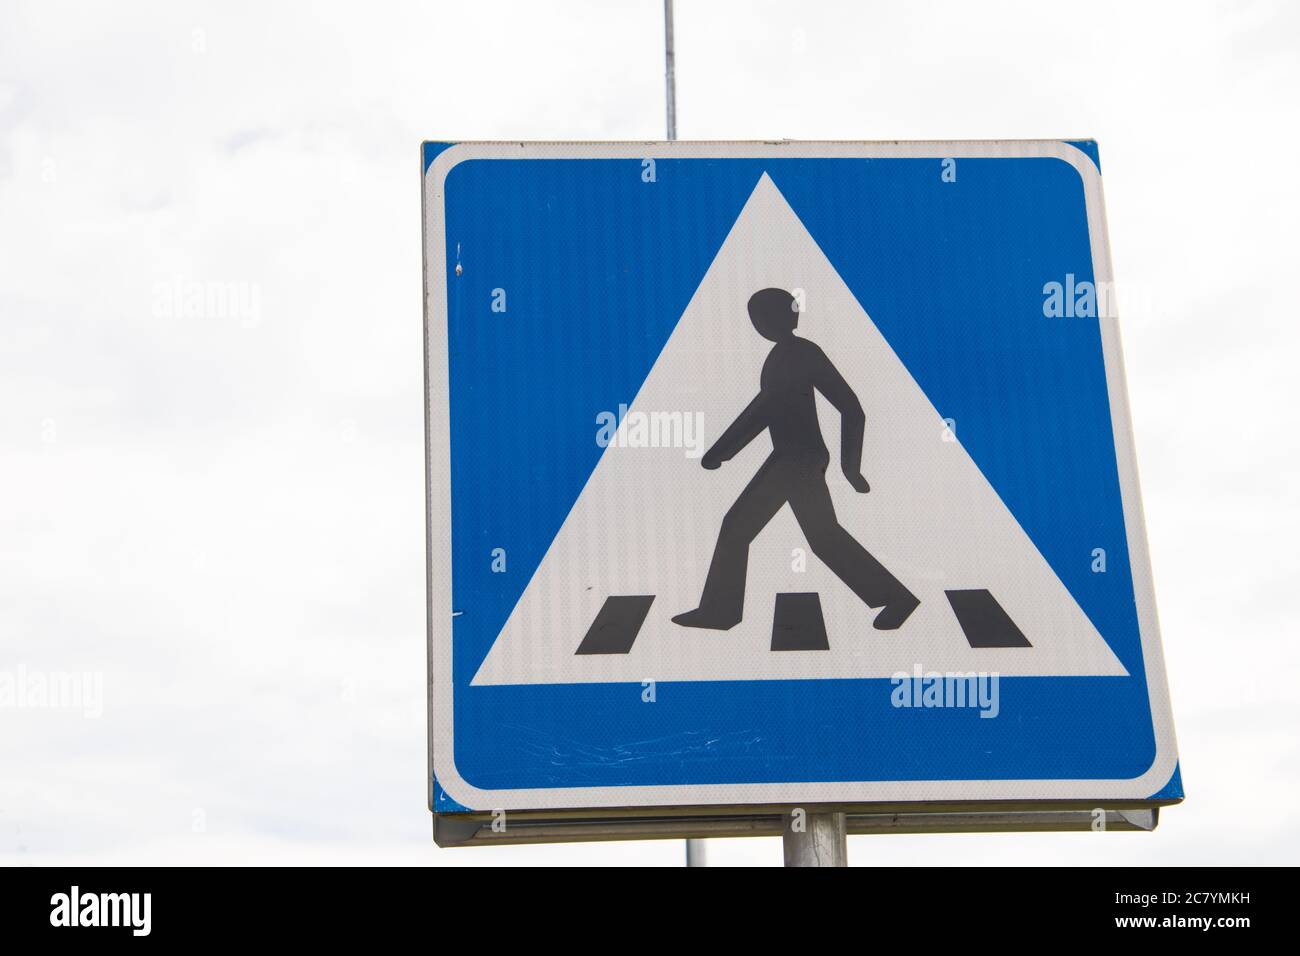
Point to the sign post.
(767, 476)
(822, 840)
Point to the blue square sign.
(778, 473)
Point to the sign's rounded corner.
(1162, 773)
(1089, 148)
(1172, 790)
(446, 160)
(1082, 161)
(466, 797)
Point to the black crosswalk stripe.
(616, 626)
(797, 623)
(983, 620)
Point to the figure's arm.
(828, 381)
(739, 433)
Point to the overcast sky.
(221, 513)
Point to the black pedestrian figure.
(795, 472)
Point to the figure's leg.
(723, 600)
(840, 551)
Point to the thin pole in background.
(670, 69)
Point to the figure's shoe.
(895, 613)
(706, 619)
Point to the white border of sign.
(438, 490)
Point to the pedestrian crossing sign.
(781, 473)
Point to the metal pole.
(695, 853)
(670, 70)
(821, 839)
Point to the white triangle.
(647, 520)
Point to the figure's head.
(775, 313)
